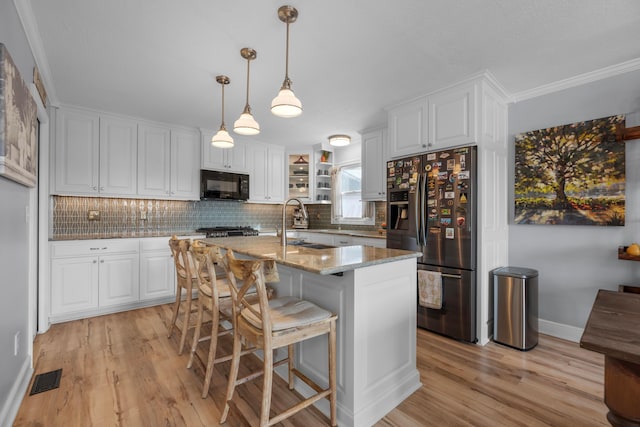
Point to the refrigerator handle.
(423, 208)
(417, 212)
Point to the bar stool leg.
(196, 334)
(185, 323)
(176, 309)
(233, 374)
(291, 355)
(213, 345)
(267, 382)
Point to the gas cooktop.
(228, 231)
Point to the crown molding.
(580, 79)
(28, 20)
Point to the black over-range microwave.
(216, 185)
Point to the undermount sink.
(309, 245)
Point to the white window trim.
(338, 220)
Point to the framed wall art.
(18, 125)
(572, 174)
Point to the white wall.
(15, 370)
(575, 261)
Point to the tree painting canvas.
(18, 125)
(571, 174)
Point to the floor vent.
(45, 382)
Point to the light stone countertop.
(319, 261)
(124, 235)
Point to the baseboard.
(11, 406)
(559, 330)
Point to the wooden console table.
(613, 329)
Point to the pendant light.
(246, 124)
(286, 104)
(222, 139)
(339, 140)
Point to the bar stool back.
(272, 324)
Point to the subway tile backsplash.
(70, 216)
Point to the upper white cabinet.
(168, 162)
(225, 159)
(452, 116)
(94, 155)
(374, 185)
(408, 128)
(118, 156)
(185, 161)
(443, 119)
(77, 152)
(267, 177)
(154, 161)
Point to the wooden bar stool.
(185, 278)
(272, 324)
(213, 295)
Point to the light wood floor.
(121, 370)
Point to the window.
(348, 207)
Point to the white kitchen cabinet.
(185, 161)
(369, 241)
(267, 176)
(74, 284)
(374, 177)
(452, 116)
(154, 161)
(157, 269)
(168, 163)
(341, 240)
(88, 275)
(94, 155)
(76, 153)
(118, 279)
(224, 159)
(118, 156)
(408, 128)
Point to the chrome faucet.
(283, 233)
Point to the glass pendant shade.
(246, 125)
(286, 104)
(339, 140)
(222, 139)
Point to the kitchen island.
(374, 292)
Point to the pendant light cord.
(222, 126)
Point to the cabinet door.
(76, 153)
(154, 161)
(276, 171)
(408, 124)
(257, 156)
(74, 284)
(157, 275)
(185, 161)
(341, 240)
(224, 159)
(452, 118)
(374, 185)
(118, 279)
(118, 156)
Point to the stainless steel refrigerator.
(431, 208)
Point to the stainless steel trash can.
(515, 304)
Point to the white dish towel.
(430, 289)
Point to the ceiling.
(349, 59)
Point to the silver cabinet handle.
(95, 262)
(101, 261)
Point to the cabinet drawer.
(92, 247)
(162, 243)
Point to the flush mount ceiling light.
(246, 124)
(339, 140)
(286, 104)
(222, 139)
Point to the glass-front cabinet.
(299, 182)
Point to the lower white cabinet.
(91, 274)
(157, 269)
(93, 277)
